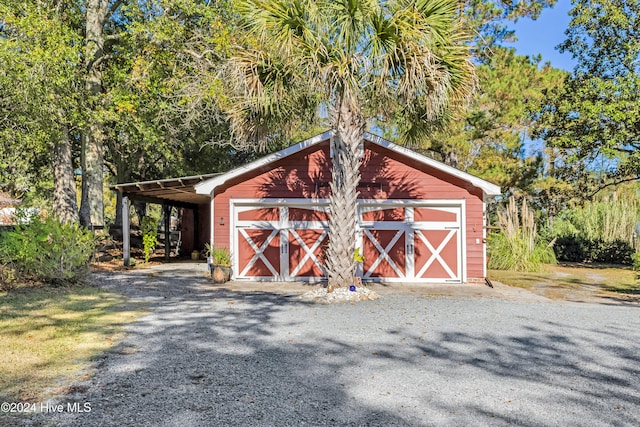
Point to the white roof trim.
(207, 187)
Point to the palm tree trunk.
(65, 206)
(347, 157)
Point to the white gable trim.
(207, 187)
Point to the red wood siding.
(385, 175)
(303, 176)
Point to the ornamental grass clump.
(517, 246)
(46, 250)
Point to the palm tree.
(406, 60)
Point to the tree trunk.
(92, 202)
(347, 157)
(65, 206)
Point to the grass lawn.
(49, 336)
(561, 281)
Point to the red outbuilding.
(419, 220)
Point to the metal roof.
(175, 191)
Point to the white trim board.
(457, 206)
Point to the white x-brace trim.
(259, 251)
(435, 253)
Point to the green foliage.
(601, 231)
(48, 251)
(153, 101)
(609, 219)
(636, 262)
(403, 60)
(40, 58)
(514, 253)
(592, 118)
(578, 249)
(517, 246)
(149, 229)
(487, 139)
(219, 256)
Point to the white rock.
(340, 295)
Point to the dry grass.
(575, 281)
(49, 336)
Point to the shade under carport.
(172, 192)
(175, 191)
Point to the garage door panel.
(384, 253)
(280, 241)
(437, 254)
(301, 214)
(434, 237)
(421, 214)
(428, 248)
(307, 269)
(260, 214)
(435, 271)
(305, 252)
(400, 240)
(383, 214)
(259, 252)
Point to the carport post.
(167, 233)
(126, 236)
(196, 228)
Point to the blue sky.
(544, 34)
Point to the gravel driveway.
(207, 356)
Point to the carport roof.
(174, 191)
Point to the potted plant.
(219, 262)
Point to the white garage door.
(402, 241)
(408, 242)
(282, 242)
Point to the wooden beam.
(126, 232)
(159, 201)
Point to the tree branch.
(602, 187)
(114, 7)
(111, 37)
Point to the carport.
(169, 193)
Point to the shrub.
(149, 228)
(517, 246)
(577, 249)
(610, 252)
(636, 262)
(570, 248)
(48, 251)
(601, 231)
